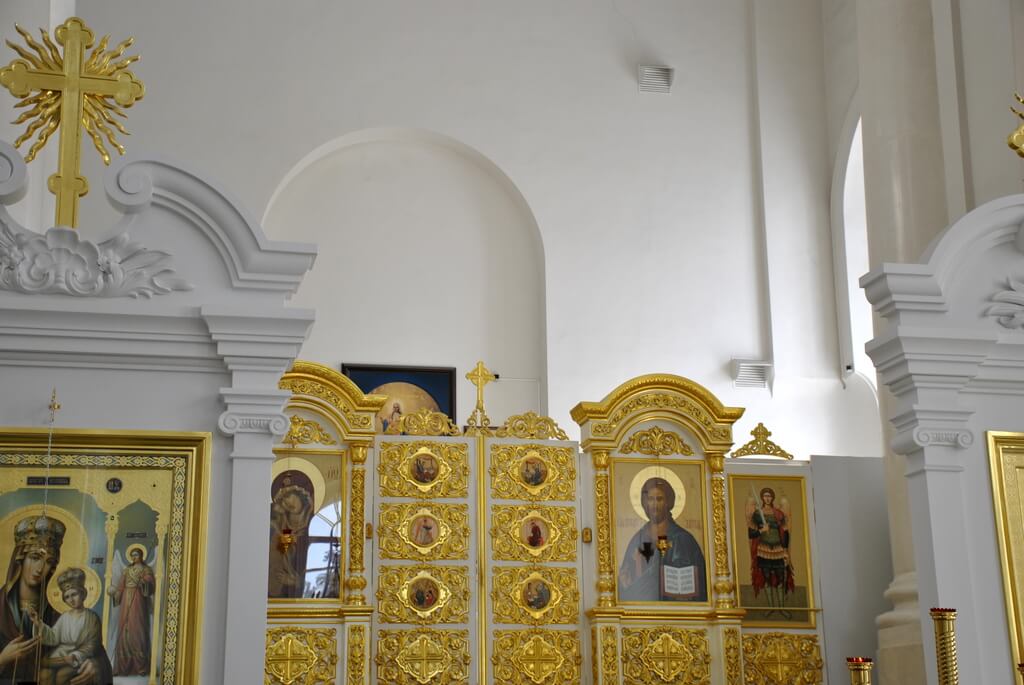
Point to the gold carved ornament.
(71, 91)
(423, 655)
(602, 504)
(733, 662)
(531, 426)
(398, 540)
(511, 543)
(445, 597)
(449, 463)
(1016, 139)
(355, 670)
(609, 655)
(761, 445)
(781, 659)
(536, 657)
(517, 595)
(656, 442)
(356, 582)
(725, 597)
(479, 423)
(306, 432)
(424, 422)
(353, 410)
(301, 656)
(660, 655)
(555, 468)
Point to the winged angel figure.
(59, 262)
(132, 594)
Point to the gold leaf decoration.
(781, 659)
(533, 473)
(301, 656)
(448, 537)
(536, 657)
(663, 655)
(733, 665)
(307, 432)
(609, 654)
(423, 655)
(397, 602)
(662, 401)
(512, 529)
(356, 670)
(656, 442)
(531, 426)
(719, 524)
(424, 422)
(761, 445)
(423, 469)
(535, 595)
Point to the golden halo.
(142, 548)
(654, 471)
(305, 466)
(92, 587)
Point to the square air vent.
(751, 373)
(655, 79)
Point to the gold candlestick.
(860, 670)
(945, 645)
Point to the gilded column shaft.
(860, 670)
(945, 645)
(724, 586)
(602, 500)
(356, 583)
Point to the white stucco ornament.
(1010, 305)
(60, 262)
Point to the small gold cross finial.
(71, 91)
(760, 432)
(54, 405)
(479, 376)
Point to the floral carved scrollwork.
(733, 665)
(424, 533)
(537, 657)
(423, 469)
(356, 582)
(531, 426)
(533, 533)
(761, 445)
(609, 655)
(307, 432)
(356, 667)
(602, 505)
(424, 422)
(535, 595)
(719, 524)
(663, 655)
(424, 655)
(300, 386)
(662, 401)
(301, 656)
(423, 594)
(533, 472)
(781, 659)
(656, 442)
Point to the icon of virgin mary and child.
(38, 644)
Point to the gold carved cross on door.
(289, 660)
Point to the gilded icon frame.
(1006, 456)
(186, 456)
(615, 487)
(738, 529)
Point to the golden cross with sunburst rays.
(71, 92)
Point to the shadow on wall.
(428, 254)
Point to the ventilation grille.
(751, 373)
(655, 79)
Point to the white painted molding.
(136, 183)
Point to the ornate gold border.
(709, 582)
(762, 651)
(336, 396)
(556, 652)
(507, 589)
(650, 650)
(395, 460)
(182, 632)
(507, 481)
(507, 543)
(318, 645)
(1006, 456)
(809, 611)
(395, 606)
(453, 536)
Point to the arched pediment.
(655, 397)
(334, 396)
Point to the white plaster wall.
(429, 256)
(679, 231)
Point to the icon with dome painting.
(533, 470)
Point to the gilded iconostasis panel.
(103, 548)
